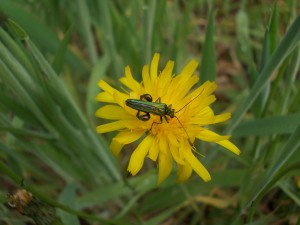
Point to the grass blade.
(208, 61)
(288, 43)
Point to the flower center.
(172, 126)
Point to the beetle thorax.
(169, 111)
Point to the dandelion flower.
(168, 138)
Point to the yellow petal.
(174, 148)
(108, 127)
(183, 88)
(184, 172)
(134, 123)
(201, 102)
(146, 79)
(138, 156)
(181, 84)
(163, 145)
(120, 98)
(196, 165)
(206, 112)
(222, 117)
(230, 146)
(153, 151)
(209, 87)
(106, 87)
(210, 136)
(129, 81)
(196, 103)
(201, 120)
(172, 139)
(188, 70)
(128, 136)
(112, 112)
(165, 165)
(104, 97)
(165, 78)
(154, 67)
(116, 147)
(176, 156)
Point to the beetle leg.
(144, 117)
(146, 97)
(158, 100)
(160, 122)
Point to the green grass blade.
(67, 197)
(273, 125)
(149, 12)
(84, 18)
(208, 65)
(288, 43)
(105, 25)
(286, 152)
(274, 29)
(59, 59)
(38, 31)
(98, 73)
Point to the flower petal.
(202, 121)
(134, 123)
(222, 117)
(175, 154)
(106, 87)
(165, 165)
(138, 156)
(112, 112)
(210, 136)
(165, 78)
(104, 97)
(180, 93)
(116, 147)
(154, 67)
(230, 146)
(174, 149)
(197, 165)
(184, 172)
(146, 79)
(129, 81)
(181, 81)
(153, 151)
(128, 136)
(108, 127)
(120, 98)
(163, 145)
(188, 70)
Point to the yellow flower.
(163, 141)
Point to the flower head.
(165, 137)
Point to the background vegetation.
(52, 53)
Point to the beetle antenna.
(190, 101)
(185, 131)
